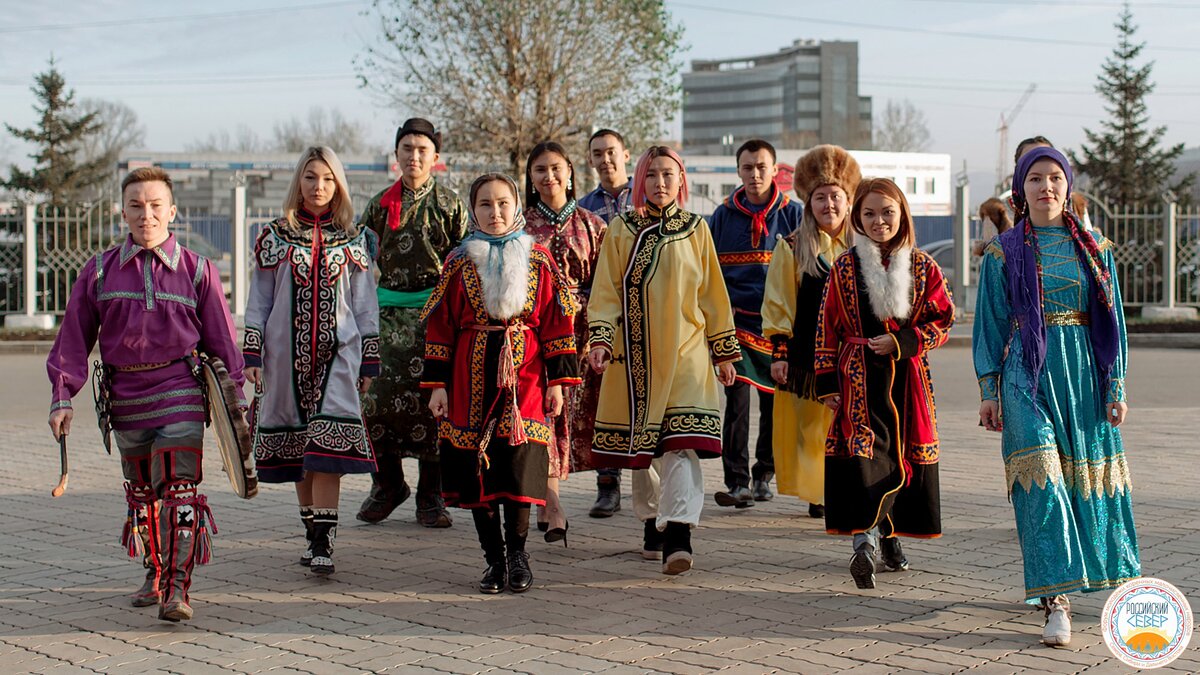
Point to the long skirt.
(513, 473)
(800, 428)
(1066, 472)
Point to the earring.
(570, 183)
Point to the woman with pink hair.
(659, 315)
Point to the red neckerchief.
(393, 201)
(758, 220)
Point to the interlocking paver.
(770, 591)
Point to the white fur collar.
(504, 289)
(889, 288)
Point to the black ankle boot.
(893, 555)
(608, 497)
(677, 548)
(652, 540)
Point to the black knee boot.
(516, 529)
(431, 509)
(487, 525)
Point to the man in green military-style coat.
(418, 222)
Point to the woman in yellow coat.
(659, 323)
(826, 178)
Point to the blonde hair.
(341, 205)
(808, 240)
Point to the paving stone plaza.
(770, 591)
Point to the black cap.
(418, 125)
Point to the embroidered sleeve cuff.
(432, 385)
(566, 382)
(1116, 390)
(989, 387)
(824, 359)
(560, 346)
(61, 404)
(725, 348)
(370, 365)
(437, 352)
(600, 334)
(252, 346)
(779, 348)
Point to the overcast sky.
(223, 63)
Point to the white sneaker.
(1057, 631)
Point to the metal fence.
(1157, 250)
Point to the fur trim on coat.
(889, 288)
(504, 289)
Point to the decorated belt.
(495, 328)
(141, 367)
(858, 340)
(1063, 319)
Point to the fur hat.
(826, 165)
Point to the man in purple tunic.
(158, 303)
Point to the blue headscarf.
(1025, 284)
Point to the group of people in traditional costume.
(509, 340)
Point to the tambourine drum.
(229, 427)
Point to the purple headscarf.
(1025, 283)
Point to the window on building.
(728, 188)
(702, 189)
(929, 186)
(910, 186)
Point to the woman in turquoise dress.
(1051, 377)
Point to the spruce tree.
(1123, 160)
(59, 173)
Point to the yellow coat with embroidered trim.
(659, 305)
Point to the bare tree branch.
(503, 75)
(902, 128)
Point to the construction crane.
(1002, 166)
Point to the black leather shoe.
(520, 577)
(762, 491)
(739, 497)
(608, 497)
(893, 555)
(816, 510)
(495, 578)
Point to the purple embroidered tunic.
(155, 306)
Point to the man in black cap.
(418, 223)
